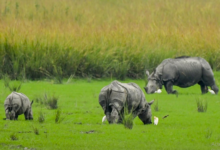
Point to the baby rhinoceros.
(17, 104)
(117, 97)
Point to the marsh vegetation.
(57, 39)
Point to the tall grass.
(127, 117)
(104, 38)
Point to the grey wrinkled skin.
(116, 97)
(17, 104)
(183, 72)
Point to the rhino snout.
(146, 89)
(148, 123)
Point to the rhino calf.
(17, 104)
(183, 72)
(116, 97)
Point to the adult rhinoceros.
(183, 72)
(17, 104)
(116, 97)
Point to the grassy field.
(104, 38)
(184, 128)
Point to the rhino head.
(29, 115)
(146, 114)
(113, 115)
(154, 83)
(10, 112)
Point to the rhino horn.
(32, 102)
(151, 102)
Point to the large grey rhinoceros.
(17, 104)
(116, 97)
(182, 71)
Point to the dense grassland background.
(184, 128)
(96, 38)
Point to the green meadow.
(81, 124)
(93, 42)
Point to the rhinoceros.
(117, 97)
(17, 104)
(182, 71)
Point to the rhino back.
(184, 72)
(134, 95)
(25, 101)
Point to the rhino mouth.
(147, 123)
(148, 91)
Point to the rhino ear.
(32, 102)
(151, 102)
(147, 72)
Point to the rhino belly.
(189, 73)
(20, 111)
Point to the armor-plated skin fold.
(116, 97)
(183, 72)
(17, 104)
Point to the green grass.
(184, 128)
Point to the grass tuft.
(16, 86)
(208, 133)
(52, 102)
(45, 99)
(41, 117)
(202, 105)
(156, 107)
(13, 86)
(58, 117)
(36, 130)
(127, 119)
(13, 137)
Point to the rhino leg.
(169, 88)
(7, 114)
(16, 117)
(26, 115)
(203, 87)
